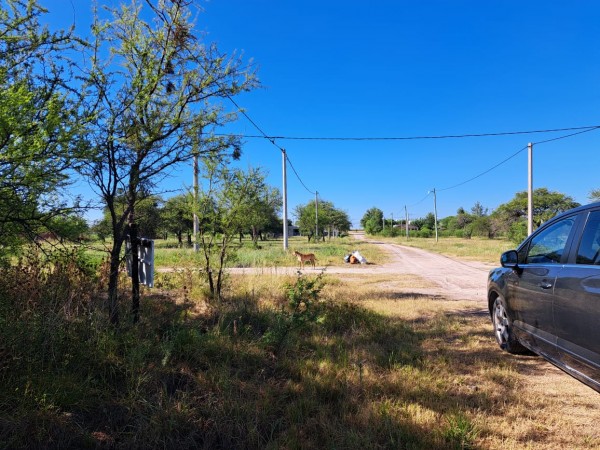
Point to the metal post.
(285, 212)
(435, 214)
(530, 190)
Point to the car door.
(577, 304)
(531, 287)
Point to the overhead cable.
(410, 138)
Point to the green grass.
(266, 254)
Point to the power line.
(586, 130)
(298, 176)
(410, 138)
(269, 138)
(483, 173)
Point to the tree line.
(509, 220)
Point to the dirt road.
(451, 278)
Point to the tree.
(594, 195)
(329, 218)
(372, 221)
(151, 103)
(263, 204)
(546, 204)
(225, 206)
(38, 122)
(177, 216)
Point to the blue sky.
(377, 69)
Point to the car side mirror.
(510, 259)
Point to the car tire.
(503, 328)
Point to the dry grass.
(510, 402)
(475, 249)
(369, 362)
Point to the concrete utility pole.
(406, 223)
(316, 215)
(530, 190)
(196, 223)
(435, 214)
(285, 213)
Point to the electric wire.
(270, 139)
(411, 138)
(587, 130)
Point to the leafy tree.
(546, 204)
(594, 195)
(177, 216)
(329, 218)
(225, 207)
(153, 103)
(263, 204)
(372, 221)
(38, 122)
(69, 227)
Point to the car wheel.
(503, 328)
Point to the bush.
(425, 233)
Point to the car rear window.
(589, 247)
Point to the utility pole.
(392, 229)
(435, 214)
(382, 222)
(196, 170)
(530, 190)
(406, 223)
(285, 213)
(316, 215)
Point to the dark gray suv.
(546, 296)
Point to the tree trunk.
(135, 276)
(113, 284)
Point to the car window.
(547, 247)
(589, 247)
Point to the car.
(545, 297)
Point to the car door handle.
(545, 285)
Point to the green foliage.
(334, 220)
(302, 309)
(546, 204)
(594, 195)
(153, 89)
(372, 221)
(39, 124)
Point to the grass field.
(283, 362)
(476, 249)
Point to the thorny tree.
(38, 122)
(152, 97)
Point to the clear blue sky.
(412, 68)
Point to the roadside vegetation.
(281, 362)
(475, 249)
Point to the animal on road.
(303, 257)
